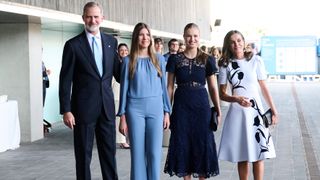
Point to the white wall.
(20, 73)
(53, 43)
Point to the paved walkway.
(296, 138)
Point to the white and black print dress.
(244, 137)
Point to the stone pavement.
(296, 138)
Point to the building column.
(21, 72)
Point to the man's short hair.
(91, 4)
(171, 41)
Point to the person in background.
(182, 47)
(251, 47)
(244, 137)
(89, 61)
(204, 48)
(123, 51)
(158, 45)
(216, 52)
(192, 148)
(45, 84)
(144, 104)
(173, 46)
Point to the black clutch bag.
(214, 119)
(267, 118)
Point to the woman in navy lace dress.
(192, 148)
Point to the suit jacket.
(82, 90)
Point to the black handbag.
(214, 119)
(267, 118)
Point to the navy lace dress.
(192, 148)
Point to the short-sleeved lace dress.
(192, 148)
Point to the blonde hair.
(134, 52)
(201, 56)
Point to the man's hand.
(69, 120)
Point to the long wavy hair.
(134, 52)
(201, 56)
(227, 54)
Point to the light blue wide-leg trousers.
(145, 123)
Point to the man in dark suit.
(86, 99)
(173, 46)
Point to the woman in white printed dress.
(245, 138)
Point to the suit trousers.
(145, 124)
(104, 130)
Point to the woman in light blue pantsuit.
(144, 104)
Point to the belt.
(191, 84)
